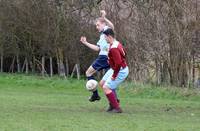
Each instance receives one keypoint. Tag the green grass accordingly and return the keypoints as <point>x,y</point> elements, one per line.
<point>33,103</point>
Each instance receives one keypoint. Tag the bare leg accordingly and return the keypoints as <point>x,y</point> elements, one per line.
<point>90,71</point>
<point>112,100</point>
<point>102,82</point>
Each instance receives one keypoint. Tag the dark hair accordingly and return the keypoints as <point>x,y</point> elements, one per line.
<point>108,32</point>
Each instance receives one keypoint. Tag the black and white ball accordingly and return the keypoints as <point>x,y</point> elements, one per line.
<point>91,85</point>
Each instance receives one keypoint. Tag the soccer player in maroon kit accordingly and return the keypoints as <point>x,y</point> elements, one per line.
<point>117,73</point>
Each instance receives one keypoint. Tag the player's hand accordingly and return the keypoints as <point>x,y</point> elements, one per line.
<point>113,78</point>
<point>83,40</point>
<point>103,13</point>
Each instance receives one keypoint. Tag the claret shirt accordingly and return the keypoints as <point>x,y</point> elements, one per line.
<point>116,57</point>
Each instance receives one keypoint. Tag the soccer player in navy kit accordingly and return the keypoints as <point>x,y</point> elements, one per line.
<point>102,46</point>
<point>117,73</point>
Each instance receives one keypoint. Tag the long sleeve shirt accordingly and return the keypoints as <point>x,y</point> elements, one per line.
<point>116,57</point>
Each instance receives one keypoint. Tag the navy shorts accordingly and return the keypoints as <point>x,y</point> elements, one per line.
<point>101,63</point>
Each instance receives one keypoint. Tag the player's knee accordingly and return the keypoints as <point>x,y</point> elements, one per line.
<point>87,73</point>
<point>106,89</point>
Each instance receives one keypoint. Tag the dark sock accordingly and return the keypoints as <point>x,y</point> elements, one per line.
<point>95,93</point>
<point>112,100</point>
<point>90,78</point>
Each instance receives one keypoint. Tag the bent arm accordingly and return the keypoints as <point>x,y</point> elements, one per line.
<point>92,46</point>
<point>109,23</point>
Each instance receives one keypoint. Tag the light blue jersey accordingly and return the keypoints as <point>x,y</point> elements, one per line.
<point>102,43</point>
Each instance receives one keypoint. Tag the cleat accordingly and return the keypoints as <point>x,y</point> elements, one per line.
<point>116,110</point>
<point>94,98</point>
<point>110,108</point>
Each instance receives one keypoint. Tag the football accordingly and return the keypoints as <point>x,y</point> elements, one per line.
<point>91,85</point>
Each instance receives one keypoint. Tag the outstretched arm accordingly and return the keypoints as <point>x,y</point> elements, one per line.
<point>91,46</point>
<point>109,23</point>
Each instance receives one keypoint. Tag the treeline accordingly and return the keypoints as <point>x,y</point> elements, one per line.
<point>161,37</point>
<point>43,36</point>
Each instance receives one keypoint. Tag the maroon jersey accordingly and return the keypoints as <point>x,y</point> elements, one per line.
<point>116,57</point>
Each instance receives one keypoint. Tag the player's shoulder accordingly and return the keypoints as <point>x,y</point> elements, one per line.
<point>115,44</point>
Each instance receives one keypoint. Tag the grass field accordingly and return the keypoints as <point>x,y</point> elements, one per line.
<point>33,103</point>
